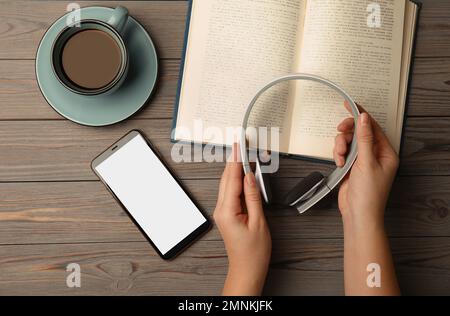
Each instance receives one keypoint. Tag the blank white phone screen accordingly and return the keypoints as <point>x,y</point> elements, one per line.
<point>150,194</point>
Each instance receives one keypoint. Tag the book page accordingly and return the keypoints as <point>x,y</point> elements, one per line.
<point>408,45</point>
<point>339,45</point>
<point>234,48</point>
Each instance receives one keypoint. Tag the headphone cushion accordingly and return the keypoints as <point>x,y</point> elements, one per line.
<point>303,187</point>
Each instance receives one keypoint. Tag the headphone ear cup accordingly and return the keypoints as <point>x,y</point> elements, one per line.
<point>263,181</point>
<point>304,189</point>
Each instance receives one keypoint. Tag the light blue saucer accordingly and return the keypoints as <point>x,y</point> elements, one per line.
<point>102,109</point>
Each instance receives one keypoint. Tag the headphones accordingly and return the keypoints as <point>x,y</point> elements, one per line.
<point>315,186</point>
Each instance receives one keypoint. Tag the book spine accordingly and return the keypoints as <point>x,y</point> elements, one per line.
<point>413,53</point>
<point>180,78</point>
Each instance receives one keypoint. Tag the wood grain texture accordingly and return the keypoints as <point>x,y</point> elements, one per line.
<point>70,217</point>
<point>429,92</point>
<point>74,212</point>
<point>298,267</point>
<point>62,150</point>
<point>23,23</point>
<point>134,268</point>
<point>21,99</point>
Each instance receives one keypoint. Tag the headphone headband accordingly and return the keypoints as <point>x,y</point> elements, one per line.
<point>338,174</point>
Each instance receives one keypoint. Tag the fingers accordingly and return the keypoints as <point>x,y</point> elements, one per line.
<point>349,109</point>
<point>221,188</point>
<point>253,199</point>
<point>230,191</point>
<point>347,125</point>
<point>233,183</point>
<point>379,136</point>
<point>365,138</point>
<point>341,147</point>
<point>223,179</point>
<point>377,130</point>
<point>338,160</point>
<point>346,129</point>
<point>381,139</point>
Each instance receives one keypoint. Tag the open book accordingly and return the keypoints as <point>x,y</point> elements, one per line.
<point>233,47</point>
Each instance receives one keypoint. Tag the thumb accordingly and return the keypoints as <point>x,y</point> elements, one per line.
<point>365,138</point>
<point>252,198</point>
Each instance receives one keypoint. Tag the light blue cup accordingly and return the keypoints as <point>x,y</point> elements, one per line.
<point>126,97</point>
<point>114,28</point>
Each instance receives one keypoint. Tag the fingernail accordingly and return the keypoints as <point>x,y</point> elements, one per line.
<point>364,118</point>
<point>251,180</point>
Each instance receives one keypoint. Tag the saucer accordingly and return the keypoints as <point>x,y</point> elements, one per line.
<point>101,110</point>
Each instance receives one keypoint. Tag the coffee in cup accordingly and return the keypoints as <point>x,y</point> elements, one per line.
<point>90,58</point>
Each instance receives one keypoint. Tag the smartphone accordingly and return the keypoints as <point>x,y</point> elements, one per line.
<point>149,192</point>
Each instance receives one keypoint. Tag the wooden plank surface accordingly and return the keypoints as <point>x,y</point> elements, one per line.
<point>73,212</point>
<point>23,23</point>
<point>165,20</point>
<point>62,150</point>
<point>21,99</point>
<point>53,210</point>
<point>298,267</point>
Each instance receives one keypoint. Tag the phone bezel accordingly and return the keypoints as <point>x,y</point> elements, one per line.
<point>188,240</point>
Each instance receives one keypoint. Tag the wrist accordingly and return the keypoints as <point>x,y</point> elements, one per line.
<point>364,222</point>
<point>242,281</point>
<point>253,271</point>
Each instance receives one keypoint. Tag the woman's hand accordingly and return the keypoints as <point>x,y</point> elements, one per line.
<point>362,200</point>
<point>240,218</point>
<point>364,193</point>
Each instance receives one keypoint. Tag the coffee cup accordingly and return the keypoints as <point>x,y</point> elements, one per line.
<point>89,57</point>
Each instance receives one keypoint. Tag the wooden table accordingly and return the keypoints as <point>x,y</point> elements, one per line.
<point>54,211</point>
